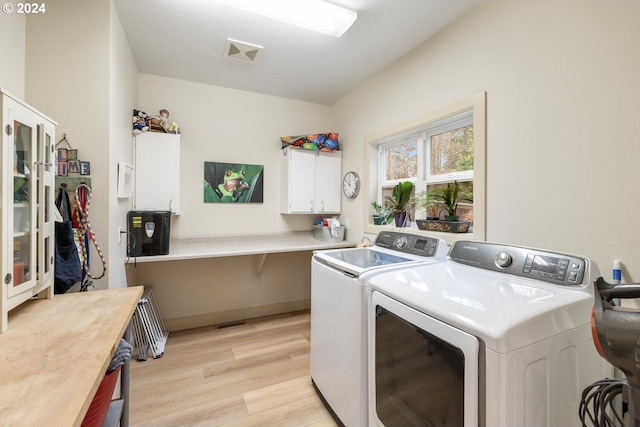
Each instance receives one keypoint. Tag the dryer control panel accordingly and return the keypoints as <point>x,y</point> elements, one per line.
<point>551,267</point>
<point>408,243</point>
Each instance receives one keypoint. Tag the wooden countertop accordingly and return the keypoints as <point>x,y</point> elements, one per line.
<point>56,352</point>
<point>238,245</point>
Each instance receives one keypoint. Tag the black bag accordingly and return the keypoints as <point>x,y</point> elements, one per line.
<point>68,270</point>
<point>63,204</point>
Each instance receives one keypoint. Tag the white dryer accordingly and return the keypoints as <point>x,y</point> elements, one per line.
<point>339,283</point>
<point>496,336</point>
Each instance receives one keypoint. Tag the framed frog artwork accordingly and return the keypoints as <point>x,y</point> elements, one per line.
<point>233,183</point>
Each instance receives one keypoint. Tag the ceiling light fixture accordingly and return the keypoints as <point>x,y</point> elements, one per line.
<point>314,15</point>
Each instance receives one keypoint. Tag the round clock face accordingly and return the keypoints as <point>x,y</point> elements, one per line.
<point>351,184</point>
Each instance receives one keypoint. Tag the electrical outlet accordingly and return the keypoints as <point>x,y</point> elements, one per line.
<point>120,234</point>
<point>346,224</point>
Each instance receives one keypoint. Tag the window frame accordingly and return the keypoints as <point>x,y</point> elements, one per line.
<point>390,183</point>
<point>448,116</point>
<point>458,121</point>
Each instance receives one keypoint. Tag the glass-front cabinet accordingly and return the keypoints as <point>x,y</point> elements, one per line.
<point>27,204</point>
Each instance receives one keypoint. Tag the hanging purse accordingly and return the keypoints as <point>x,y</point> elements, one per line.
<point>68,269</point>
<point>63,204</point>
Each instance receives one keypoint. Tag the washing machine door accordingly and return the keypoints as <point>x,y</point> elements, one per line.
<point>358,260</point>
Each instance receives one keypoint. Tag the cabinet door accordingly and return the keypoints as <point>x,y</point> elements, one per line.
<point>328,182</point>
<point>302,167</point>
<point>157,172</point>
<point>46,179</point>
<point>21,196</point>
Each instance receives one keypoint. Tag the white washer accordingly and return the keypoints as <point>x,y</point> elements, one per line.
<point>339,280</point>
<point>496,336</point>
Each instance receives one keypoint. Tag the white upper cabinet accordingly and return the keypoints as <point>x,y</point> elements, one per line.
<point>311,182</point>
<point>157,172</point>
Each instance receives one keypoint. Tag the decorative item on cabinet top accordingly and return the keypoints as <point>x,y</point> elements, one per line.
<point>316,141</point>
<point>160,123</point>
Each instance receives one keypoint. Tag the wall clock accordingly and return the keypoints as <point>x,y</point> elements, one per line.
<point>351,184</point>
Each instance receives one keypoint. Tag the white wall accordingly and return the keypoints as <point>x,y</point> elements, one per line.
<point>200,292</point>
<point>231,126</point>
<point>562,90</point>
<point>12,46</point>
<point>67,78</point>
<point>123,93</point>
<point>80,72</point>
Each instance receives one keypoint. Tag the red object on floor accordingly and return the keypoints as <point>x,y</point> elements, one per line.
<point>100,405</point>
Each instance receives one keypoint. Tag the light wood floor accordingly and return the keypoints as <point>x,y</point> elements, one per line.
<point>255,374</point>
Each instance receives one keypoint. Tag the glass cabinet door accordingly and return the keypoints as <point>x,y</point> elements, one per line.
<point>45,202</point>
<point>24,205</point>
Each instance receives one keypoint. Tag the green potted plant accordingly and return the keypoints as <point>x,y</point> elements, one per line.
<point>381,213</point>
<point>448,198</point>
<point>445,198</point>
<point>399,201</point>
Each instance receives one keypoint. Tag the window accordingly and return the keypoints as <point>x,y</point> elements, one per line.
<point>439,149</point>
<point>399,162</point>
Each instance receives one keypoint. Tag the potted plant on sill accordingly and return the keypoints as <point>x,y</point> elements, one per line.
<point>445,198</point>
<point>381,213</point>
<point>399,201</point>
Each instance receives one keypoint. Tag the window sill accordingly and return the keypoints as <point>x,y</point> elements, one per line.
<point>450,238</point>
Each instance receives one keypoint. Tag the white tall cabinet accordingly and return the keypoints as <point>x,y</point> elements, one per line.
<point>27,177</point>
<point>311,182</point>
<point>157,172</point>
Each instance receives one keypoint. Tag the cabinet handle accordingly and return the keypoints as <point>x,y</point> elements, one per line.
<point>311,203</point>
<point>322,206</point>
<point>7,278</point>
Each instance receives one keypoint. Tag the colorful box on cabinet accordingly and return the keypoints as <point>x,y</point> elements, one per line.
<point>316,141</point>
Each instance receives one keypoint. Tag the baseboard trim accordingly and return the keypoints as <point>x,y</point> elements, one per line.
<point>234,315</point>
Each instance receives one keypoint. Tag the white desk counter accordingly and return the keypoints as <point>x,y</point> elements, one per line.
<point>239,245</point>
<point>212,280</point>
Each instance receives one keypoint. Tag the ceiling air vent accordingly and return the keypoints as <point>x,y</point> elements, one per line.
<point>241,51</point>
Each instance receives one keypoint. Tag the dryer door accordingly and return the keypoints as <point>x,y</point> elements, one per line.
<point>422,372</point>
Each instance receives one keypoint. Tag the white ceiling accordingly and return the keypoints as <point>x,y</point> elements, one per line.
<point>185,39</point>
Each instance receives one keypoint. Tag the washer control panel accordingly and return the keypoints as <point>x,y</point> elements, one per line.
<point>408,243</point>
<point>551,267</point>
